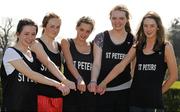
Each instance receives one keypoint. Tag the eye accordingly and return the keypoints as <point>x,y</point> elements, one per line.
<point>145,25</point>
<point>26,34</point>
<point>121,18</point>
<point>81,29</point>
<point>52,26</point>
<point>88,31</point>
<point>114,18</point>
<point>33,34</point>
<point>57,27</point>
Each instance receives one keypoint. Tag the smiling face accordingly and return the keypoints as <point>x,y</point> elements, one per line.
<point>118,19</point>
<point>52,28</point>
<point>83,31</point>
<point>150,28</point>
<point>27,35</point>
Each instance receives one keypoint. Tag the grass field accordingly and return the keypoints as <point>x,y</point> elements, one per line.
<point>176,85</point>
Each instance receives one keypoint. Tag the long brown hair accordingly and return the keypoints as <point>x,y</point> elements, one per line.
<point>141,37</point>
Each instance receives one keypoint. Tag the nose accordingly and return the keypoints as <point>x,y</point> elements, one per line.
<point>56,29</point>
<point>86,34</point>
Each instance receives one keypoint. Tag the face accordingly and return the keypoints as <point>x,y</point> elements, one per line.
<point>83,31</point>
<point>118,19</point>
<point>150,28</point>
<point>27,35</point>
<point>52,28</point>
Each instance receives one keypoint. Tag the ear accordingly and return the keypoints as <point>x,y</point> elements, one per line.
<point>17,33</point>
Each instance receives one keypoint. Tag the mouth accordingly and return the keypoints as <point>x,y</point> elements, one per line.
<point>83,37</point>
<point>118,25</point>
<point>148,33</point>
<point>29,41</point>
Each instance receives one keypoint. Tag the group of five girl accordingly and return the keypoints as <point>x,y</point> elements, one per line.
<point>116,72</point>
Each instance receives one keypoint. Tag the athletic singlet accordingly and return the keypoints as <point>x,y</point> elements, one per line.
<point>46,90</point>
<point>112,54</point>
<point>82,62</point>
<point>18,90</point>
<point>146,89</point>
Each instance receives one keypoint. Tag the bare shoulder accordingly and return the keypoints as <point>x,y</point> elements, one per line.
<point>168,46</point>
<point>35,43</point>
<point>169,51</point>
<point>64,41</point>
<point>36,46</point>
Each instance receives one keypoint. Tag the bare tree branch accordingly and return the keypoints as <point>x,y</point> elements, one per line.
<point>5,34</point>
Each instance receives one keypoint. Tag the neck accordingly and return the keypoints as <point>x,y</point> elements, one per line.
<point>47,39</point>
<point>150,43</point>
<point>21,47</point>
<point>151,40</point>
<point>120,33</point>
<point>80,42</point>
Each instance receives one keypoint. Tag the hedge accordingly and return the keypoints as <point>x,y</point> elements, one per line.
<point>172,100</point>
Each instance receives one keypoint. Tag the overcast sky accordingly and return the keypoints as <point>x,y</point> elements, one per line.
<point>71,10</point>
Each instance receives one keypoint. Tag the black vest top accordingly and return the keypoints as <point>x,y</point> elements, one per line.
<point>46,90</point>
<point>112,54</point>
<point>82,62</point>
<point>146,89</point>
<point>19,93</point>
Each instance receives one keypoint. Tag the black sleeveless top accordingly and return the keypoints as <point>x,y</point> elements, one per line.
<point>112,54</point>
<point>19,93</point>
<point>146,89</point>
<point>46,90</point>
<point>82,62</point>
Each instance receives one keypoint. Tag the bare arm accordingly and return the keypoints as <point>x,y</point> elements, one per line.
<point>45,60</point>
<point>69,61</point>
<point>97,53</point>
<point>68,57</point>
<point>172,67</point>
<point>22,67</point>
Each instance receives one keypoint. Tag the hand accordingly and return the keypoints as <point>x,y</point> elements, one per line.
<point>101,88</point>
<point>63,88</point>
<point>92,87</point>
<point>81,86</point>
<point>70,84</point>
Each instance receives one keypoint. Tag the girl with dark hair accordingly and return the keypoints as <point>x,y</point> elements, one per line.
<point>19,72</point>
